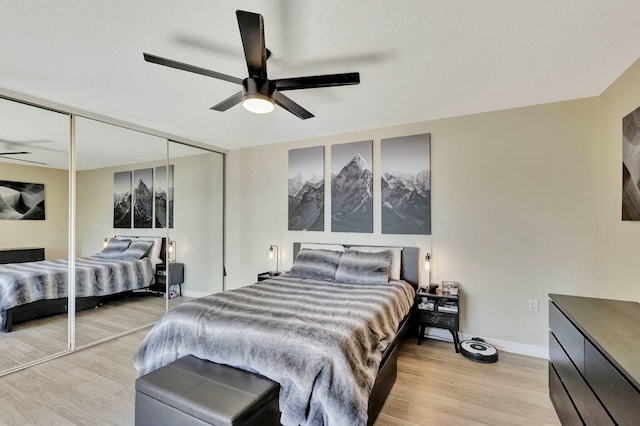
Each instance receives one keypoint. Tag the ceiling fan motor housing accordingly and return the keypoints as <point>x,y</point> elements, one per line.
<point>258,88</point>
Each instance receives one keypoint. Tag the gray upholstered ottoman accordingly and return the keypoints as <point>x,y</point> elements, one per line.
<point>191,391</point>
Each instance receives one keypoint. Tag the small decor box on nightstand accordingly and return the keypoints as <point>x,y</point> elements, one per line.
<point>176,276</point>
<point>438,310</point>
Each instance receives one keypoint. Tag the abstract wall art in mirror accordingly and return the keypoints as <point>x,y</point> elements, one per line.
<point>34,270</point>
<point>352,187</point>
<point>631,166</point>
<point>406,185</point>
<point>21,201</point>
<point>306,189</point>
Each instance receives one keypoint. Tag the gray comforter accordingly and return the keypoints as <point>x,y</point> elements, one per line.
<point>321,341</point>
<point>22,283</point>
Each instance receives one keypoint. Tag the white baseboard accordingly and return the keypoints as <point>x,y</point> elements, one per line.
<point>502,345</point>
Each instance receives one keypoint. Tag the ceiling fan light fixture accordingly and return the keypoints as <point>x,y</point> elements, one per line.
<point>258,103</point>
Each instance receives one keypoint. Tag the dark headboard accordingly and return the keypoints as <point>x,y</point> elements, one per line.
<point>410,270</point>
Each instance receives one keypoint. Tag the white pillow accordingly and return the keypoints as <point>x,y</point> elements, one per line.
<point>154,252</point>
<point>312,246</point>
<point>156,248</point>
<point>396,258</point>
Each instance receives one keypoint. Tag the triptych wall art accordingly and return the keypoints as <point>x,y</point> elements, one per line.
<point>141,205</point>
<point>21,201</point>
<point>352,187</point>
<point>631,166</point>
<point>406,185</point>
<point>306,189</point>
<point>405,179</point>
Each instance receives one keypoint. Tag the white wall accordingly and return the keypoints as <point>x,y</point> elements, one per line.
<point>619,241</point>
<point>514,212</point>
<point>51,233</point>
<point>197,216</point>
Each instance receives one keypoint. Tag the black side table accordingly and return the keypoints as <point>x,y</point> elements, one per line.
<point>439,310</point>
<point>266,275</point>
<point>175,271</point>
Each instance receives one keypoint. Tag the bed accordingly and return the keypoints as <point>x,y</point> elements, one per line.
<point>331,345</point>
<point>31,290</point>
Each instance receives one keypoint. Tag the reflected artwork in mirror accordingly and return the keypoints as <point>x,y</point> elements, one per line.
<point>34,246</point>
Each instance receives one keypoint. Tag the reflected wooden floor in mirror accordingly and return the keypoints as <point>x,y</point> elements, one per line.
<point>434,386</point>
<point>36,339</point>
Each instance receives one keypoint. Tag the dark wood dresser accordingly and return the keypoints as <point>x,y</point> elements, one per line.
<point>594,367</point>
<point>19,255</point>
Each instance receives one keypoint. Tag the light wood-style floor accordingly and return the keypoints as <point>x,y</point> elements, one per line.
<point>435,386</point>
<point>43,337</point>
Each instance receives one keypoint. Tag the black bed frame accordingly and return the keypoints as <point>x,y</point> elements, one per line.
<point>388,370</point>
<point>47,307</point>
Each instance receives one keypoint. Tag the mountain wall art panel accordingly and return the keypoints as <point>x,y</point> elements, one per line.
<point>352,187</point>
<point>122,200</point>
<point>163,196</point>
<point>306,189</point>
<point>631,166</point>
<point>143,198</point>
<point>21,201</point>
<point>406,185</point>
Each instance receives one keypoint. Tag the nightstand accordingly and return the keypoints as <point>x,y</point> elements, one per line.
<point>439,310</point>
<point>176,276</point>
<point>266,275</point>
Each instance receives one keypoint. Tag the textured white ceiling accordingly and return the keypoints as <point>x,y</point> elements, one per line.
<point>418,60</point>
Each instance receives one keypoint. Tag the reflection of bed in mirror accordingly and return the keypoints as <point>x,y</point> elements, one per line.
<point>34,289</point>
<point>327,331</point>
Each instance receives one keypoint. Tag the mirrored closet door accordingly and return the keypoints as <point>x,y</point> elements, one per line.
<point>121,242</point>
<point>34,228</point>
<point>195,217</point>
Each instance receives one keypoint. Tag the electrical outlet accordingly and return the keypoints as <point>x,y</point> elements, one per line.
<point>533,305</point>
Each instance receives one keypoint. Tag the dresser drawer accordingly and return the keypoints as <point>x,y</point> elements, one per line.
<point>585,401</point>
<point>562,403</point>
<point>621,399</point>
<point>568,335</point>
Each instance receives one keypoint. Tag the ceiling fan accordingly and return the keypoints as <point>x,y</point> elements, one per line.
<point>259,94</point>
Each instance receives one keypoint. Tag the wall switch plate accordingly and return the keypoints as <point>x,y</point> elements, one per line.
<point>533,305</point>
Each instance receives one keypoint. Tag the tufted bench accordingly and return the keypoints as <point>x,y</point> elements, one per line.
<point>191,391</point>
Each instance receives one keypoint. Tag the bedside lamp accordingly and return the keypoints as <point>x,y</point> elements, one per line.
<point>427,267</point>
<point>273,251</point>
<point>172,250</point>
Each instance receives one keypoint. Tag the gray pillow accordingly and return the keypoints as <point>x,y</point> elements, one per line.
<point>364,268</point>
<point>114,248</point>
<point>137,250</point>
<point>316,264</point>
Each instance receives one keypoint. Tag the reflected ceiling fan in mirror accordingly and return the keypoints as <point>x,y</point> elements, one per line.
<point>11,153</point>
<point>259,94</point>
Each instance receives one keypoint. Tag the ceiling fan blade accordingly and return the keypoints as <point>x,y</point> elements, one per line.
<point>328,80</point>
<point>14,153</point>
<point>20,159</point>
<point>295,109</point>
<point>252,33</point>
<point>191,68</point>
<point>229,102</point>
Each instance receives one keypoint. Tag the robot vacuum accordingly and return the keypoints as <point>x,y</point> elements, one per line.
<point>477,350</point>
